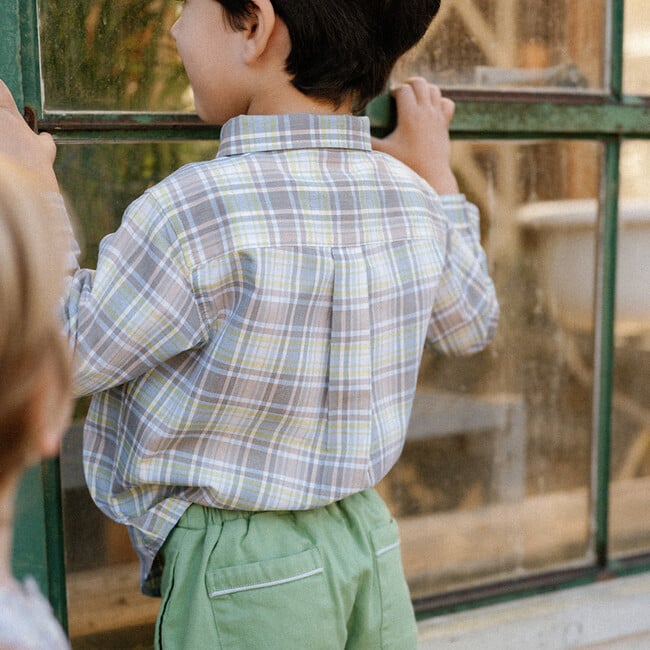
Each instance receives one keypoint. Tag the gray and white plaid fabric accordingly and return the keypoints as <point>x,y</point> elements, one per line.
<point>253,330</point>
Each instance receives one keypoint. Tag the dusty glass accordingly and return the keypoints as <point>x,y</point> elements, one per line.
<point>494,479</point>
<point>111,56</point>
<point>636,48</point>
<point>104,599</point>
<point>630,486</point>
<point>513,44</point>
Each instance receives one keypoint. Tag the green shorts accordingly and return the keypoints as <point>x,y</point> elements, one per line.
<point>322,579</point>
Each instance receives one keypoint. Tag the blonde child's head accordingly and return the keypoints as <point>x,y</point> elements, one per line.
<point>34,364</point>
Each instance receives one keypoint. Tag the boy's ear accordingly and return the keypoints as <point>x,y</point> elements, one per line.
<point>258,31</point>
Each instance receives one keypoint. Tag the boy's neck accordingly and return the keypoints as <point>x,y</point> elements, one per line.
<point>285,99</point>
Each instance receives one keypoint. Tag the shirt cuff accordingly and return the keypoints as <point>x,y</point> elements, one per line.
<point>460,212</point>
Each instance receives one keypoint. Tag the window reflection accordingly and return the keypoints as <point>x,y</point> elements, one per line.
<point>105,606</point>
<point>98,55</point>
<point>636,48</point>
<point>630,467</point>
<point>494,479</point>
<point>508,44</point>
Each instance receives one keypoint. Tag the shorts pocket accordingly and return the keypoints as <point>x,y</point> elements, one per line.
<point>273,603</point>
<point>398,626</point>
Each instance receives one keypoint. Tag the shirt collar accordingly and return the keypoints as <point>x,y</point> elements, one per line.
<point>256,133</point>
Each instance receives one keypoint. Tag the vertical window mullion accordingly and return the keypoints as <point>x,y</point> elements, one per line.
<point>29,55</point>
<point>605,307</point>
<point>10,69</point>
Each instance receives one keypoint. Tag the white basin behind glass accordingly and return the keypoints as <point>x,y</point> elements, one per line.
<point>566,236</point>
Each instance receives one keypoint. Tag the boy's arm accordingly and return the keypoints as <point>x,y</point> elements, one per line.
<point>465,314</point>
<point>421,137</point>
<point>19,143</point>
<point>35,154</point>
<point>137,309</point>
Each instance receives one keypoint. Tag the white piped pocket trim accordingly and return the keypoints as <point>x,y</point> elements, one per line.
<point>385,549</point>
<point>262,585</point>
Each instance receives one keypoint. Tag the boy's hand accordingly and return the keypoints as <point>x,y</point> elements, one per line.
<point>20,143</point>
<point>421,137</point>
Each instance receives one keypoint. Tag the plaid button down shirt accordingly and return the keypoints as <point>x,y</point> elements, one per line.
<point>253,330</point>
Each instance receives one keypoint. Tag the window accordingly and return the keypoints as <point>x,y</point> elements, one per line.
<point>527,466</point>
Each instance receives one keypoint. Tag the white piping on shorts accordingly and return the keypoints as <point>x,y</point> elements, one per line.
<point>390,547</point>
<point>261,585</point>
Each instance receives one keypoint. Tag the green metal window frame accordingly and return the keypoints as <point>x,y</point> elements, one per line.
<point>608,117</point>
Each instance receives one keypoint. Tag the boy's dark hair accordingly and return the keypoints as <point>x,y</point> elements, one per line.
<point>344,48</point>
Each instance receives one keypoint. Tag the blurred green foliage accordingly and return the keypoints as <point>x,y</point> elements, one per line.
<point>111,55</point>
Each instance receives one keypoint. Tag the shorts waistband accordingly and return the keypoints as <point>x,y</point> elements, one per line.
<point>197,516</point>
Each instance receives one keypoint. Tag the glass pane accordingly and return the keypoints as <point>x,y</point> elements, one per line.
<point>98,55</point>
<point>493,482</point>
<point>494,479</point>
<point>513,44</point>
<point>636,48</point>
<point>630,487</point>
<point>105,606</point>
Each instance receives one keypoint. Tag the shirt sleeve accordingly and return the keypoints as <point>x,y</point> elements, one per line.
<point>137,309</point>
<point>466,312</point>
<point>63,232</point>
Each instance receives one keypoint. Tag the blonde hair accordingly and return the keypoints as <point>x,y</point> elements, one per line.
<point>31,279</point>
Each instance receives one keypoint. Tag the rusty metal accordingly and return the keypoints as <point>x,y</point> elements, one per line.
<point>31,117</point>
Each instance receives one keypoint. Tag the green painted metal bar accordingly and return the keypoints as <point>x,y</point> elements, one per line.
<point>55,543</point>
<point>29,58</point>
<point>525,119</point>
<point>617,15</point>
<point>10,69</point>
<point>606,301</point>
<point>491,117</point>
<point>604,350</point>
<point>525,115</point>
<point>29,556</point>
<point>38,535</point>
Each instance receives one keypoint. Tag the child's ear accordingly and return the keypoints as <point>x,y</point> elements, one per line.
<point>259,30</point>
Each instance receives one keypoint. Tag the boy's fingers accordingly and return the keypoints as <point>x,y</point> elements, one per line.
<point>405,98</point>
<point>448,108</point>
<point>422,88</point>
<point>435,93</point>
<point>425,93</point>
<point>48,141</point>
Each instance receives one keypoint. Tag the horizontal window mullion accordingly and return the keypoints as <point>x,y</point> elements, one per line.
<point>499,115</point>
<point>521,115</point>
<point>561,120</point>
<point>127,127</point>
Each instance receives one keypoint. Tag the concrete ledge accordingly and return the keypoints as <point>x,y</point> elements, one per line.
<point>613,615</point>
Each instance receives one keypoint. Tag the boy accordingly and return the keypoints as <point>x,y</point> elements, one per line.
<point>253,330</point>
